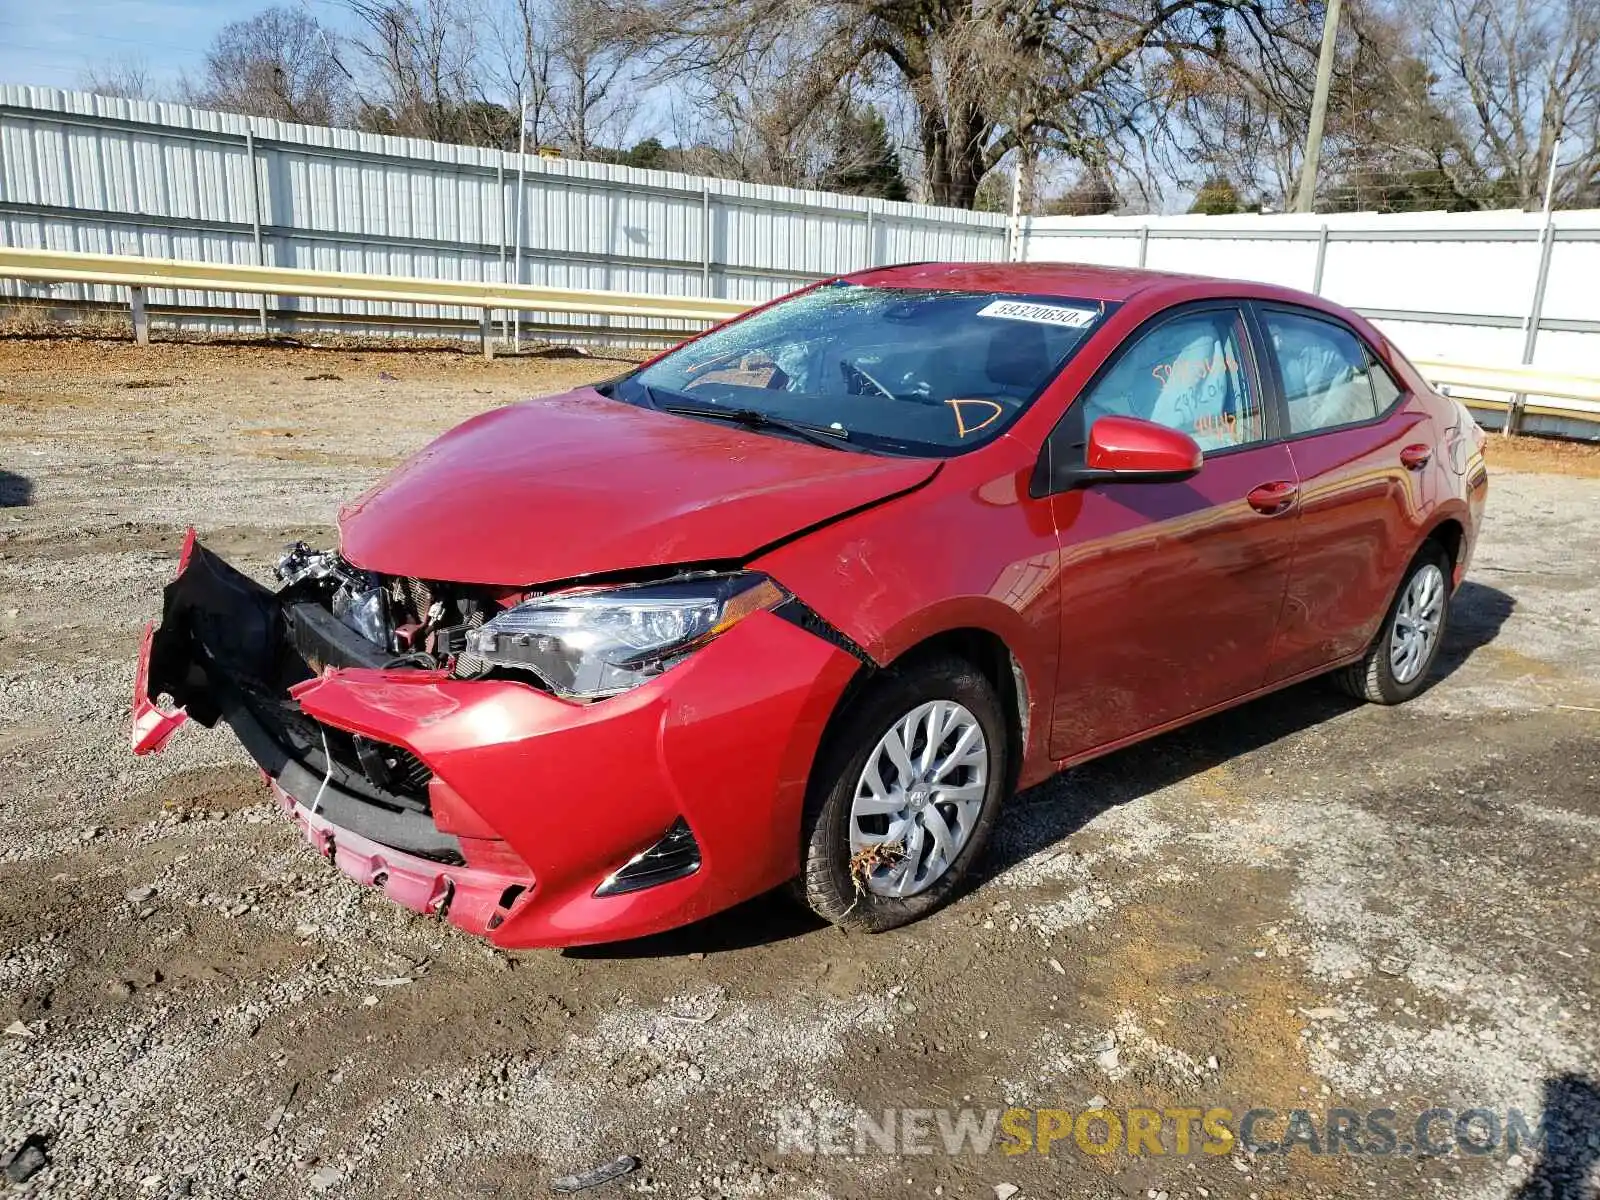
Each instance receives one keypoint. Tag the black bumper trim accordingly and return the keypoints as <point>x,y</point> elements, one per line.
<point>798,613</point>
<point>676,855</point>
<point>323,640</point>
<point>223,651</point>
<point>406,830</point>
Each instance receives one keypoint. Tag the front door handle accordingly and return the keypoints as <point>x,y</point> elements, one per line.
<point>1271,499</point>
<point>1416,456</point>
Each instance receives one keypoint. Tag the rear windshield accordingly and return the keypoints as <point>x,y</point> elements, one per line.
<point>898,370</point>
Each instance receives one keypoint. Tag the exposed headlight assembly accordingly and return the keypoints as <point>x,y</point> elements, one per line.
<point>356,598</point>
<point>589,644</point>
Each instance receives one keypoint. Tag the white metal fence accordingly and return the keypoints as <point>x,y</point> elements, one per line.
<point>91,173</point>
<point>1494,288</point>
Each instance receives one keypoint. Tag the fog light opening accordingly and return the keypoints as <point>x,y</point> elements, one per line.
<point>675,856</point>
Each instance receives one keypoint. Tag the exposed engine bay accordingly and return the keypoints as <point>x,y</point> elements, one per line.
<point>403,622</point>
<point>230,649</point>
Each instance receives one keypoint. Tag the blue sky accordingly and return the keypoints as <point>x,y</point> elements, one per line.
<point>53,41</point>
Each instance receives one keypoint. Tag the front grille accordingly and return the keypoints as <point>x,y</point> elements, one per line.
<point>387,775</point>
<point>393,768</point>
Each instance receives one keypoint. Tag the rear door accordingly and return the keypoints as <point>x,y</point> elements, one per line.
<point>1170,592</point>
<point>1360,447</point>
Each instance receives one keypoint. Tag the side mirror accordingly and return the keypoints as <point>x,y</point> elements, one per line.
<point>1139,451</point>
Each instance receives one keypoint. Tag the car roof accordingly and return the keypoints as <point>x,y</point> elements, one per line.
<point>1077,280</point>
<point>1086,281</point>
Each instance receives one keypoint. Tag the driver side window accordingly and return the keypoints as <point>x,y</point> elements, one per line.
<point>1188,374</point>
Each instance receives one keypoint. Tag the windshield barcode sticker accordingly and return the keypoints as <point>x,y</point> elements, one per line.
<point>1043,314</point>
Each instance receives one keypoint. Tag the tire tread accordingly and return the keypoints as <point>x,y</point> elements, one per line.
<point>819,884</point>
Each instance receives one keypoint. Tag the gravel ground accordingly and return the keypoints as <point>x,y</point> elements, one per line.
<point>1301,904</point>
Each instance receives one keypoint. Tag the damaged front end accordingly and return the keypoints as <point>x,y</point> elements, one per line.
<point>229,649</point>
<point>542,767</point>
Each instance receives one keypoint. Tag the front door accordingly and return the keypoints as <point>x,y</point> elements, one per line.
<point>1171,592</point>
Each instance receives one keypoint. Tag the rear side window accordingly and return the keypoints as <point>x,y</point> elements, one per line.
<point>1383,384</point>
<point>1329,377</point>
<point>1188,374</point>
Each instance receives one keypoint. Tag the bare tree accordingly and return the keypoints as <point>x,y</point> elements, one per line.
<point>755,122</point>
<point>1519,75</point>
<point>1394,142</point>
<point>279,63</point>
<point>1398,134</point>
<point>1101,103</point>
<point>127,76</point>
<point>520,32</point>
<point>1043,77</point>
<point>594,101</point>
<point>422,57</point>
<point>1243,119</point>
<point>1462,103</point>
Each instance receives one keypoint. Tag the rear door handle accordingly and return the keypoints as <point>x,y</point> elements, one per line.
<point>1416,456</point>
<point>1271,499</point>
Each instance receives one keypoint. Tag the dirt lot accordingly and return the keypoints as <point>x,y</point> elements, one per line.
<point>1302,904</point>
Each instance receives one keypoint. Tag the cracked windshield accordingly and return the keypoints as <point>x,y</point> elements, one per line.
<point>876,369</point>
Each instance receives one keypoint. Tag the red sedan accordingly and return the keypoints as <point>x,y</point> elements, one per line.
<point>806,598</point>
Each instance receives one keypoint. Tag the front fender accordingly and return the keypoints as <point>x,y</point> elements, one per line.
<point>969,551</point>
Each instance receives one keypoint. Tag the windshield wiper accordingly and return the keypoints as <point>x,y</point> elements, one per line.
<point>753,418</point>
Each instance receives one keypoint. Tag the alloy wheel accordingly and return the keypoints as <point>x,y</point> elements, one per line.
<point>918,798</point>
<point>1416,624</point>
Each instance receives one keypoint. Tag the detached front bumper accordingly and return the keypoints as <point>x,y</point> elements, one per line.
<point>476,899</point>
<point>518,805</point>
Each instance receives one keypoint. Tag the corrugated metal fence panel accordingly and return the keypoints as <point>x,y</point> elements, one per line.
<point>1572,293</point>
<point>94,173</point>
<point>1444,286</point>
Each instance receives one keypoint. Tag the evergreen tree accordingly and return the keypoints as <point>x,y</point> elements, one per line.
<point>865,162</point>
<point>1217,197</point>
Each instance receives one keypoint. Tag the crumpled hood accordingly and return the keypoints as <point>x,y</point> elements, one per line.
<point>578,484</point>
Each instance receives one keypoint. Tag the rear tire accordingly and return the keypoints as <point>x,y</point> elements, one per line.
<point>1397,664</point>
<point>882,845</point>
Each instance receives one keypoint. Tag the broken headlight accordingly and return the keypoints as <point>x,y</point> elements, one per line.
<point>353,595</point>
<point>589,644</point>
<point>364,611</point>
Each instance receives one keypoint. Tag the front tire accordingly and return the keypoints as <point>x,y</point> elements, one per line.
<point>1397,664</point>
<point>904,795</point>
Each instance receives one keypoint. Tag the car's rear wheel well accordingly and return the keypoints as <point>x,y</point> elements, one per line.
<point>1450,535</point>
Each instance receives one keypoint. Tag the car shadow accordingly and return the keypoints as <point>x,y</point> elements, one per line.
<point>1476,615</point>
<point>1046,814</point>
<point>15,490</point>
<point>1053,811</point>
<point>1570,1124</point>
<point>774,916</point>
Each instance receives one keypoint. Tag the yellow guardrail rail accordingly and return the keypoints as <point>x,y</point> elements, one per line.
<point>63,266</point>
<point>1575,397</point>
<point>1557,394</point>
<point>1526,380</point>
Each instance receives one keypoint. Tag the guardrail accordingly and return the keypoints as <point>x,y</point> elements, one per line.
<point>1558,397</point>
<point>139,274</point>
